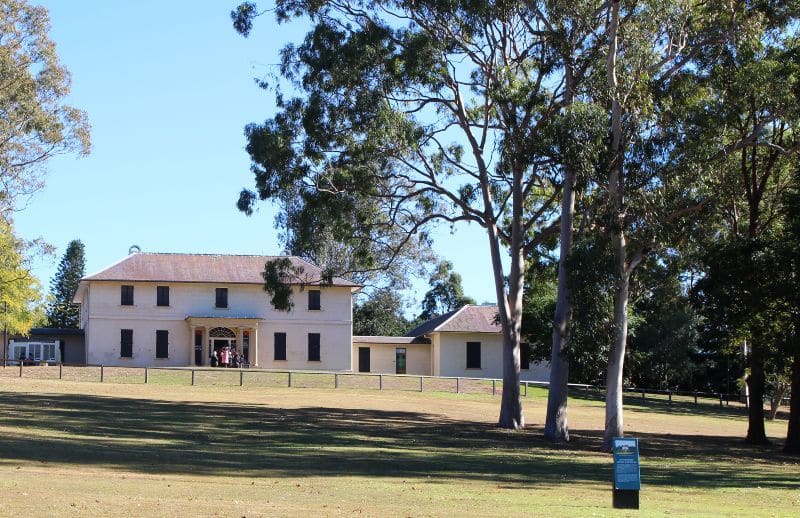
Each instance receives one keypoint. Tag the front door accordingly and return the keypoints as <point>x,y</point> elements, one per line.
<point>363,359</point>
<point>400,360</point>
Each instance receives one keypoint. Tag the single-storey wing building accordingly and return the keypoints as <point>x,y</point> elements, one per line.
<point>175,309</point>
<point>467,342</point>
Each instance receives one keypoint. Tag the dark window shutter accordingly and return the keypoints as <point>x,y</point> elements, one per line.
<point>313,347</point>
<point>280,346</point>
<point>126,343</point>
<point>162,295</point>
<point>162,344</point>
<point>222,298</point>
<point>473,355</point>
<point>126,295</point>
<point>313,299</point>
<point>524,356</point>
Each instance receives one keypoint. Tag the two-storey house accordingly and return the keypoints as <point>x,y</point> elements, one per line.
<point>175,309</point>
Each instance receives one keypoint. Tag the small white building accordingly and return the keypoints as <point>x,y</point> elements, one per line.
<point>175,309</point>
<point>467,342</point>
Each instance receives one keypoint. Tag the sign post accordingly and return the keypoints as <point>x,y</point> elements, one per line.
<point>627,478</point>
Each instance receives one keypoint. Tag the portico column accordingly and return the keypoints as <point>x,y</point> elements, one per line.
<point>206,352</point>
<point>191,345</point>
<point>254,347</point>
<point>240,340</point>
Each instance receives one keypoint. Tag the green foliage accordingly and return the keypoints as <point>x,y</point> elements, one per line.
<point>20,304</point>
<point>61,312</point>
<point>279,274</point>
<point>35,124</point>
<point>380,315</point>
<point>446,293</point>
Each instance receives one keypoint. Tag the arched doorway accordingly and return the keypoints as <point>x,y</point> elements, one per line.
<point>219,337</point>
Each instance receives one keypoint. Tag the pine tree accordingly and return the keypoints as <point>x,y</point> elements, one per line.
<point>61,312</point>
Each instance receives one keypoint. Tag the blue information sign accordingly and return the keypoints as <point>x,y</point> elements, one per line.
<point>626,464</point>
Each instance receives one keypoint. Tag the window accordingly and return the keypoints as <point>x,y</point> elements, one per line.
<point>525,356</point>
<point>280,346</point>
<point>126,295</point>
<point>162,295</point>
<point>313,299</point>
<point>126,343</point>
<point>162,344</point>
<point>473,355</point>
<point>313,347</point>
<point>222,298</point>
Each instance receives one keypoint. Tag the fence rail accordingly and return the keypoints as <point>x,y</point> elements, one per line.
<point>328,379</point>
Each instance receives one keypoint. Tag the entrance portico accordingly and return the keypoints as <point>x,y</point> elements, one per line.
<point>240,333</point>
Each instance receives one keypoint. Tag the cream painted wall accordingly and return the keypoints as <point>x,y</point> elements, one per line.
<point>105,317</point>
<point>383,358</point>
<point>334,350</point>
<point>453,357</point>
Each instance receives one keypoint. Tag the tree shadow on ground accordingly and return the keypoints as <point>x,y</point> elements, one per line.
<point>232,439</point>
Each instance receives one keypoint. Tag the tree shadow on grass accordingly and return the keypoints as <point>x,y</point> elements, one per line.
<point>254,440</point>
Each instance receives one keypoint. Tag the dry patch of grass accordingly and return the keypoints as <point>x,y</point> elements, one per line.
<point>169,449</point>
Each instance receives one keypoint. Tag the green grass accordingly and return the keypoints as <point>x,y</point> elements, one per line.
<point>169,449</point>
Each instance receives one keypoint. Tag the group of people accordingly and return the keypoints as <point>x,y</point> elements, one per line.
<point>226,357</point>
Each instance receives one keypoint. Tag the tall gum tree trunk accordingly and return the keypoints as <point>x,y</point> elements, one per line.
<point>616,190</point>
<point>756,431</point>
<point>556,427</point>
<point>793,431</point>
<point>616,357</point>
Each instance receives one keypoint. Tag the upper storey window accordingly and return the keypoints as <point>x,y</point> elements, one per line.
<point>126,295</point>
<point>221,298</point>
<point>162,295</point>
<point>313,299</point>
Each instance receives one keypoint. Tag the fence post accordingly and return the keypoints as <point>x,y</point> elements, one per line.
<point>586,391</point>
<point>101,374</point>
<point>145,375</point>
<point>290,379</point>
<point>60,365</point>
<point>720,399</point>
<point>20,367</point>
<point>669,392</point>
<point>695,397</point>
<point>193,377</point>
<point>643,394</point>
<point>420,383</point>
<point>241,377</point>
<point>336,380</point>
<point>458,385</point>
<point>494,387</point>
<point>526,389</point>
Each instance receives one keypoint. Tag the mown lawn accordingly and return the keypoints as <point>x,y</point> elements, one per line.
<point>91,449</point>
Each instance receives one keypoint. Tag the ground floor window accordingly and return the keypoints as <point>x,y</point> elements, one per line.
<point>162,344</point>
<point>126,343</point>
<point>280,346</point>
<point>473,355</point>
<point>34,351</point>
<point>313,347</point>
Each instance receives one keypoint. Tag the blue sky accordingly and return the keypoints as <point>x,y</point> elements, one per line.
<point>168,88</point>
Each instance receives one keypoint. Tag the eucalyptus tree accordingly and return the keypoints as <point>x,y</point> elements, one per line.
<point>446,293</point>
<point>662,57</point>
<point>412,113</point>
<point>36,124</point>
